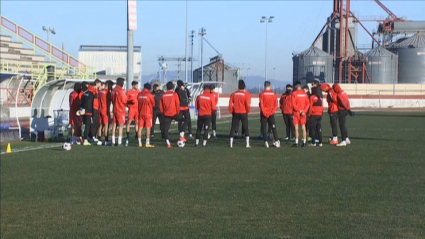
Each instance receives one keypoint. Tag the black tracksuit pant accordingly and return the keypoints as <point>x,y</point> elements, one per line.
<point>290,129</point>
<point>203,123</point>
<point>157,115</point>
<point>96,124</point>
<point>187,121</point>
<point>342,116</point>
<point>167,124</point>
<point>235,124</point>
<point>89,130</point>
<point>271,122</point>
<point>214,120</point>
<point>316,128</point>
<point>334,123</point>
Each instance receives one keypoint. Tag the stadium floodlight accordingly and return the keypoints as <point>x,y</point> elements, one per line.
<point>48,31</point>
<point>266,20</point>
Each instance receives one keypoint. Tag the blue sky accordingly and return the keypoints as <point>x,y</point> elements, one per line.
<point>233,27</point>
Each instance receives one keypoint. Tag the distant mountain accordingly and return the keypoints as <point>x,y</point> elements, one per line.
<point>256,81</point>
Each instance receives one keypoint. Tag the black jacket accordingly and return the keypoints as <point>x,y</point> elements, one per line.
<point>87,102</point>
<point>157,95</point>
<point>184,96</point>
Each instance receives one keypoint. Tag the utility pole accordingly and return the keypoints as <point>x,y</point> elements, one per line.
<point>202,33</point>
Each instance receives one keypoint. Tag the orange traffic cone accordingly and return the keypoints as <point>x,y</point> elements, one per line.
<point>8,149</point>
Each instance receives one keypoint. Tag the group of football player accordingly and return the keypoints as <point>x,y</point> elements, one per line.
<point>94,106</point>
<point>300,109</point>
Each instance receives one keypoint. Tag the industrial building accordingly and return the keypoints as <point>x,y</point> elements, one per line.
<point>397,53</point>
<point>110,61</point>
<point>217,71</point>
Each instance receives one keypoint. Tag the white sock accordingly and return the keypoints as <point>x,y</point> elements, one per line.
<point>304,140</point>
<point>119,140</point>
<point>196,141</point>
<point>247,140</point>
<point>113,139</point>
<point>168,142</point>
<point>214,133</point>
<point>335,138</point>
<point>148,141</point>
<point>205,143</point>
<point>231,141</point>
<point>296,141</point>
<point>140,141</point>
<point>181,134</point>
<point>347,139</point>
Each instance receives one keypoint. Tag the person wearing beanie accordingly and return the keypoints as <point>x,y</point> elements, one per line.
<point>239,107</point>
<point>332,100</point>
<point>285,104</point>
<point>315,116</point>
<point>343,110</point>
<point>184,97</point>
<point>119,102</point>
<point>300,106</point>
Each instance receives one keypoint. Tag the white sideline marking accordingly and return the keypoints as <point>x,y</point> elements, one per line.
<point>34,148</point>
<point>25,149</point>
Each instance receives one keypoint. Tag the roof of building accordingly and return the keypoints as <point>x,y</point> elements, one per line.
<point>417,40</point>
<point>379,51</point>
<point>108,48</point>
<point>314,51</point>
<point>212,63</point>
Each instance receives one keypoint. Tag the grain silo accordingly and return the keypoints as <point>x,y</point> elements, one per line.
<point>382,66</point>
<point>411,58</point>
<point>312,63</point>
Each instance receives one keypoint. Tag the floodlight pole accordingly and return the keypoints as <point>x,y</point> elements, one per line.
<point>185,46</point>
<point>266,20</point>
<point>130,51</point>
<point>191,56</point>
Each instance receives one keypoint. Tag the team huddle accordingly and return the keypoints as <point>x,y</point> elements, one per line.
<point>94,106</point>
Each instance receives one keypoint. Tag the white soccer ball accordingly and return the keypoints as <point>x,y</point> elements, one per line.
<point>181,143</point>
<point>67,146</point>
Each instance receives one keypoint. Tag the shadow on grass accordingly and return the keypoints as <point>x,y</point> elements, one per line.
<point>390,115</point>
<point>376,139</point>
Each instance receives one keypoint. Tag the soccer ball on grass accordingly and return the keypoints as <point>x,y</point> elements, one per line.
<point>180,143</point>
<point>66,146</point>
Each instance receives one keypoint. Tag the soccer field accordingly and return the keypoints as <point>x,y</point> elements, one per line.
<point>373,188</point>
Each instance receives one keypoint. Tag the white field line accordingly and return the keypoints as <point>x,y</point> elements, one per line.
<point>47,146</point>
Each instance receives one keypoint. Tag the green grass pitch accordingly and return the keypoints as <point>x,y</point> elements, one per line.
<point>373,188</point>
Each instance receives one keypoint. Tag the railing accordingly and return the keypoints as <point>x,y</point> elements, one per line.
<point>24,96</point>
<point>39,72</point>
<point>36,42</point>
